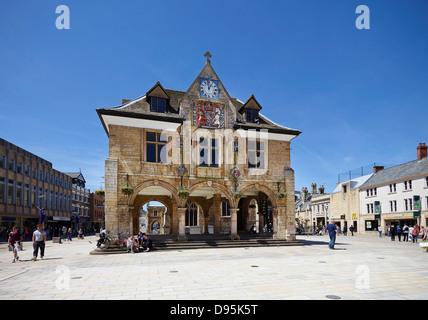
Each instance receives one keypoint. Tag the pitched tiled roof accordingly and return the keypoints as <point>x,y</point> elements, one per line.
<point>354,183</point>
<point>401,171</point>
<point>140,108</point>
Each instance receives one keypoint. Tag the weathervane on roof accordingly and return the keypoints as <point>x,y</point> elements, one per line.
<point>208,55</point>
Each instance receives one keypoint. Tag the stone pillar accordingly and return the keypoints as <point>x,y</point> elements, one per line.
<point>285,209</point>
<point>260,219</point>
<point>206,221</point>
<point>125,219</point>
<point>174,220</point>
<point>217,212</point>
<point>181,224</point>
<point>234,224</point>
<point>275,221</point>
<point>111,196</point>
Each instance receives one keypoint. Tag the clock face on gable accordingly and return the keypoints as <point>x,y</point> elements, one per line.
<point>208,88</point>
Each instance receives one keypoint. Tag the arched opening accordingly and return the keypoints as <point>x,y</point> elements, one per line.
<point>154,218</point>
<point>153,202</point>
<point>192,218</point>
<point>214,202</point>
<point>256,207</point>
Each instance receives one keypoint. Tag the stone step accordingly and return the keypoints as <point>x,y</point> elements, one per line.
<point>172,244</point>
<point>221,244</point>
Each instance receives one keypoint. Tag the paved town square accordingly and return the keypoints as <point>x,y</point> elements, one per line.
<point>361,267</point>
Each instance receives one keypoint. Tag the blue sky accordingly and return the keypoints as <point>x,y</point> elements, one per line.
<point>358,96</point>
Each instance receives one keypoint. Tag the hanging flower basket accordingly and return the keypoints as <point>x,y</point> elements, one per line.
<point>183,193</point>
<point>127,190</point>
<point>100,193</point>
<point>282,194</point>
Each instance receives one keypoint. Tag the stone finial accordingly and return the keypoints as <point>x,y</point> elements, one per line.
<point>208,55</point>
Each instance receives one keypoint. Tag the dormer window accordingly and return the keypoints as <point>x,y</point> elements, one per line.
<point>158,98</point>
<point>158,105</point>
<point>251,109</point>
<point>252,115</point>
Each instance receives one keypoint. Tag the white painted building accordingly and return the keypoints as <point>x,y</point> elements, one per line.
<point>388,196</point>
<point>320,210</point>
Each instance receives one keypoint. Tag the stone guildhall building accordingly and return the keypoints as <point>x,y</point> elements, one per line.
<point>217,164</point>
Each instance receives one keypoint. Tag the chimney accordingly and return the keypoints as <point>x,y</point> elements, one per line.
<point>376,169</point>
<point>313,188</point>
<point>422,151</point>
<point>305,194</point>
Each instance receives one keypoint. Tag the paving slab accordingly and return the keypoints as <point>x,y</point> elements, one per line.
<point>363,267</point>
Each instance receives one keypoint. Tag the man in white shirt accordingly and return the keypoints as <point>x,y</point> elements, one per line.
<point>39,240</point>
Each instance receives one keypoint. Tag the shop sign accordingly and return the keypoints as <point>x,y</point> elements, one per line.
<point>61,218</point>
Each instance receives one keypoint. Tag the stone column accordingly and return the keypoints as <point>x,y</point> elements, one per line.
<point>125,219</point>
<point>275,221</point>
<point>217,212</point>
<point>261,226</point>
<point>181,224</point>
<point>234,224</point>
<point>111,196</point>
<point>285,209</point>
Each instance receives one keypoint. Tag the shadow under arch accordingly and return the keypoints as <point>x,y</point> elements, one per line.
<point>262,188</point>
<point>154,183</point>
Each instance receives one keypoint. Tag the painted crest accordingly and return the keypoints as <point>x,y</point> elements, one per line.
<point>210,115</point>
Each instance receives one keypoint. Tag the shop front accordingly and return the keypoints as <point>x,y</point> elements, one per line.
<point>22,222</point>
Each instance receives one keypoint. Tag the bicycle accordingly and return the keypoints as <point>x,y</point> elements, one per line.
<point>114,241</point>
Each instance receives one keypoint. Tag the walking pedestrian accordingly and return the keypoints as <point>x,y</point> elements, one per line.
<point>422,232</point>
<point>380,231</point>
<point>332,232</point>
<point>405,233</point>
<point>345,230</point>
<point>415,234</point>
<point>399,232</point>
<point>39,241</point>
<point>392,232</point>
<point>14,242</point>
<point>64,232</point>
<point>351,228</point>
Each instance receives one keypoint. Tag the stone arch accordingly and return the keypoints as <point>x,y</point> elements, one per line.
<point>153,224</point>
<point>142,200</point>
<point>243,216</point>
<point>136,200</point>
<point>214,185</point>
<point>266,190</point>
<point>151,183</point>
